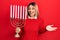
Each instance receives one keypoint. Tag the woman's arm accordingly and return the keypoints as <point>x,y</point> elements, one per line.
<point>42,28</point>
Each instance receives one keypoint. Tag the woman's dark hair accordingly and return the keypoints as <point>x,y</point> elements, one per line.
<point>33,4</point>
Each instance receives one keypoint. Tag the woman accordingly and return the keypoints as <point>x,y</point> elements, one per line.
<point>34,24</point>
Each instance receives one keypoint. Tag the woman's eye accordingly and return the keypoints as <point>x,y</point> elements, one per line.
<point>29,8</point>
<point>33,8</point>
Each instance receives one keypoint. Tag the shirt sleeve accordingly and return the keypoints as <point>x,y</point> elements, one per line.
<point>42,28</point>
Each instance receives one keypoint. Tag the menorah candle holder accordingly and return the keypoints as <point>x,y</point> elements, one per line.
<point>18,15</point>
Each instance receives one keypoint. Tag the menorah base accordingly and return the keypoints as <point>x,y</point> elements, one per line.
<point>17,35</point>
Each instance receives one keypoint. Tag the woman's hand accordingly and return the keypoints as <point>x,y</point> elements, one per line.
<point>50,28</point>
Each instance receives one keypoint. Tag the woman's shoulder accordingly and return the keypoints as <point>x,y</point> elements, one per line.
<point>40,18</point>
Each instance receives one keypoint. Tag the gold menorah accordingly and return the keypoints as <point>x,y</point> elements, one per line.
<point>17,18</point>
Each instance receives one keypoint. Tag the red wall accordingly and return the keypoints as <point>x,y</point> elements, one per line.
<point>49,11</point>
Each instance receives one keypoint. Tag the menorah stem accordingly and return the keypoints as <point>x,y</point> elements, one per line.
<point>17,32</point>
<point>17,35</point>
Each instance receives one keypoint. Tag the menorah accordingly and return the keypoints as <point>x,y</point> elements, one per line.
<point>18,15</point>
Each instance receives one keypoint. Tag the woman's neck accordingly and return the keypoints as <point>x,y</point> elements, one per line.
<point>33,17</point>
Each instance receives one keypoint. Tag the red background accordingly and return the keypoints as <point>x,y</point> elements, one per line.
<point>49,10</point>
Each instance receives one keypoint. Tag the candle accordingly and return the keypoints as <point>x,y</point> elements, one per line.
<point>13,10</point>
<point>18,11</point>
<point>10,11</point>
<point>23,12</point>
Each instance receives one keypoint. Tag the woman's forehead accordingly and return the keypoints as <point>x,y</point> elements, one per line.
<point>31,6</point>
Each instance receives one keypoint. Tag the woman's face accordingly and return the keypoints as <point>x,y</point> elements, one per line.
<point>31,10</point>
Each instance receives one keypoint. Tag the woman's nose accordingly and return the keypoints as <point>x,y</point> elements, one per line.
<point>31,10</point>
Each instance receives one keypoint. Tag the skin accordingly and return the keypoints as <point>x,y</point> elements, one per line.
<point>32,10</point>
